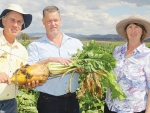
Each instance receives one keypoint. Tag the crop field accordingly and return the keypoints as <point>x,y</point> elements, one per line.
<point>111,43</point>
<point>88,104</point>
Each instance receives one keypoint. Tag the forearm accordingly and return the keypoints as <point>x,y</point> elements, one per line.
<point>52,59</point>
<point>63,61</point>
<point>44,61</point>
<point>148,103</point>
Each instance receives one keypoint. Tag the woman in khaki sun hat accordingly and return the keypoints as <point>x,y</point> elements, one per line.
<point>132,67</point>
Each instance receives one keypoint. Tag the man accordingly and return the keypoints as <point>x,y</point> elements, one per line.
<point>55,46</point>
<point>12,53</point>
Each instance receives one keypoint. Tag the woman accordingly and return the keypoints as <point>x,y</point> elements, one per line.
<point>133,68</point>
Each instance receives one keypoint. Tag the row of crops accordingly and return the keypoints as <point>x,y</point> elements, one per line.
<point>27,100</point>
<point>88,104</point>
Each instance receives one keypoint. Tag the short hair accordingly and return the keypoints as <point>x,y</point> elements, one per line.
<point>50,9</point>
<point>144,31</point>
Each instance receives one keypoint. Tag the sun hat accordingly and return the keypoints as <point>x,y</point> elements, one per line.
<point>14,7</point>
<point>120,27</point>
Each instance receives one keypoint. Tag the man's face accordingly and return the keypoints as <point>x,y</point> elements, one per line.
<point>52,22</point>
<point>12,24</point>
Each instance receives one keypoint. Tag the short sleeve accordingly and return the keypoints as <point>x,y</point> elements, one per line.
<point>32,54</point>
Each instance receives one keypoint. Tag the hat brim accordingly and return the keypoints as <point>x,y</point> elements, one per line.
<point>120,27</point>
<point>27,18</point>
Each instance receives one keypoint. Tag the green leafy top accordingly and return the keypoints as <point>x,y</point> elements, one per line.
<point>98,63</point>
<point>93,57</point>
<point>96,57</point>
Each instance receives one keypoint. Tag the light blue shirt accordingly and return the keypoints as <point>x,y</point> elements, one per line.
<point>42,49</point>
<point>134,78</point>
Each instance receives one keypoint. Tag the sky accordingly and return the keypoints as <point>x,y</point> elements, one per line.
<point>85,17</point>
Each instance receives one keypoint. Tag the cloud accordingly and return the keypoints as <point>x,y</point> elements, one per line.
<point>138,3</point>
<point>83,16</point>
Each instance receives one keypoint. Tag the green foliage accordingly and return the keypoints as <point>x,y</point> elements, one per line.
<point>27,100</point>
<point>24,36</point>
<point>95,57</point>
<point>148,45</point>
<point>89,103</point>
<point>25,43</point>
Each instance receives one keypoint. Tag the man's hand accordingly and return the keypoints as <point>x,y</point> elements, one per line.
<point>4,78</point>
<point>79,70</point>
<point>63,61</point>
<point>66,62</point>
<point>31,85</point>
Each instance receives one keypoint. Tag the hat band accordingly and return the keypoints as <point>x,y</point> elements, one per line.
<point>136,23</point>
<point>132,22</point>
<point>2,17</point>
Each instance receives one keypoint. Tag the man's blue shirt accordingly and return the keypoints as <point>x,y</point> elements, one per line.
<point>42,49</point>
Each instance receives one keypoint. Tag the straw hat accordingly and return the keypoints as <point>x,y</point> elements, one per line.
<point>120,27</point>
<point>14,7</point>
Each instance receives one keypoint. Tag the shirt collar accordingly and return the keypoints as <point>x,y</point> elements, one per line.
<point>5,42</point>
<point>138,49</point>
<point>65,38</point>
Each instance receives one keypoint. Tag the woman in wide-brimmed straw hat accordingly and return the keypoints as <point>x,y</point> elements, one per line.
<point>132,68</point>
<point>12,54</point>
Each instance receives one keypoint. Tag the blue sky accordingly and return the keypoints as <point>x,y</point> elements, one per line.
<point>85,17</point>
